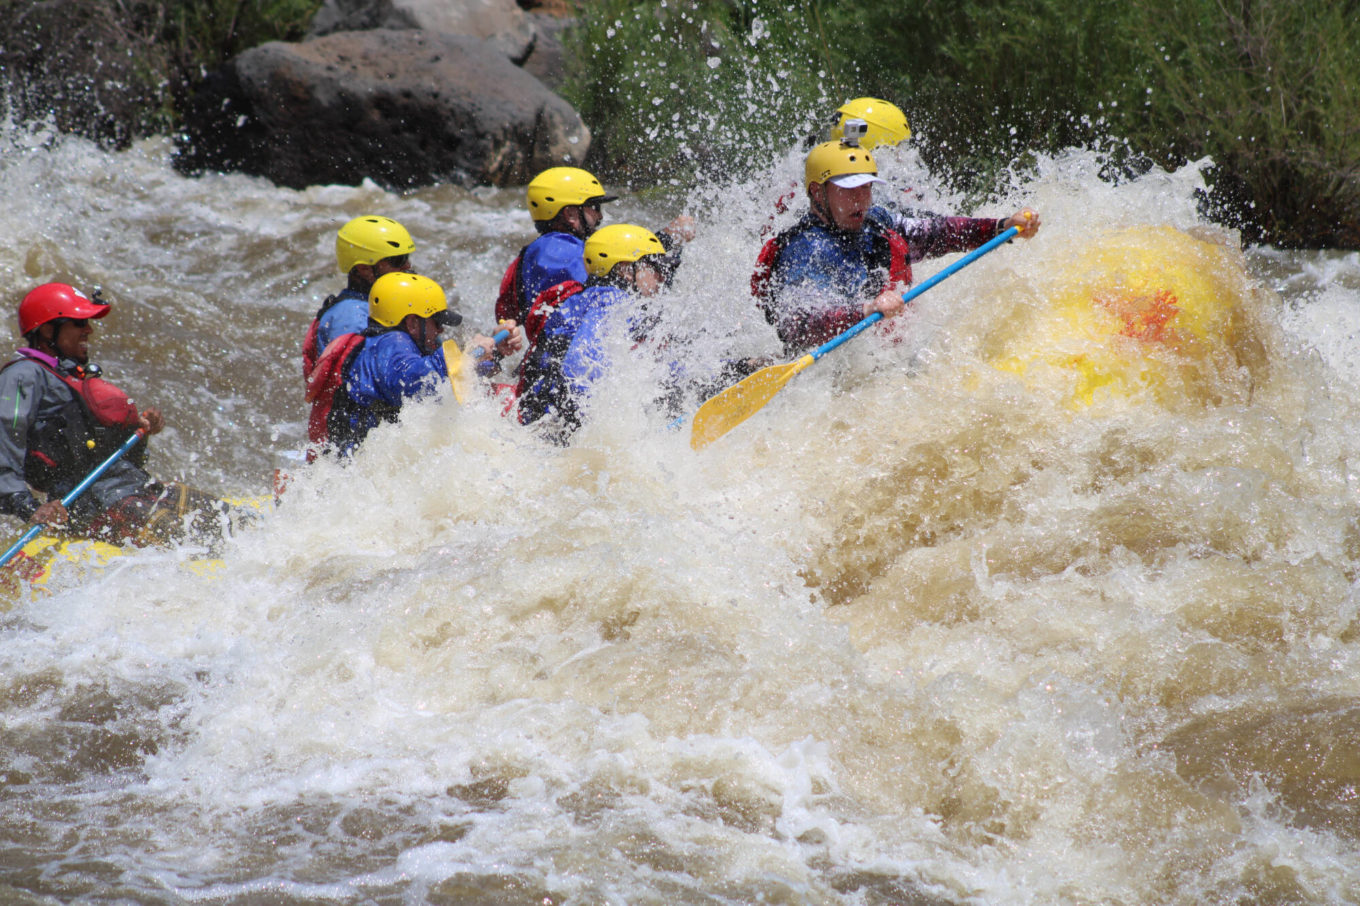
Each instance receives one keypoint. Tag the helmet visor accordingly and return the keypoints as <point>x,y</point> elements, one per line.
<point>853,180</point>
<point>446,318</point>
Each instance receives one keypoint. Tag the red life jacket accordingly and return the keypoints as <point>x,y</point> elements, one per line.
<point>508,304</point>
<point>64,448</point>
<point>543,307</point>
<point>325,381</point>
<point>538,315</point>
<point>309,350</point>
<point>897,265</point>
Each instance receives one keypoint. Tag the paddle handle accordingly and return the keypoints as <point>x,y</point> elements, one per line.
<point>71,495</point>
<point>486,364</point>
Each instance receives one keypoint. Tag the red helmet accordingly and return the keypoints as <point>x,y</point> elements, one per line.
<point>56,300</point>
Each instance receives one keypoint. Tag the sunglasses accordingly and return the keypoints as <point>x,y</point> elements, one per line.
<point>398,261</point>
<point>78,322</point>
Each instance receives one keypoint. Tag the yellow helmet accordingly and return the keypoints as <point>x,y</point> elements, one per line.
<point>557,187</point>
<point>370,239</point>
<point>832,160</point>
<point>396,295</point>
<point>610,245</point>
<point>887,124</point>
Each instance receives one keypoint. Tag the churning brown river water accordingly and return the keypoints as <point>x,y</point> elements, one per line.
<point>1049,597</point>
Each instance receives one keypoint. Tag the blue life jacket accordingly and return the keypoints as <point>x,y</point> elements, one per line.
<point>341,314</point>
<point>549,260</point>
<point>347,314</point>
<point>811,280</point>
<point>834,262</point>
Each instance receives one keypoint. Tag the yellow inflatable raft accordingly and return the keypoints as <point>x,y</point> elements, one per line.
<point>1142,313</point>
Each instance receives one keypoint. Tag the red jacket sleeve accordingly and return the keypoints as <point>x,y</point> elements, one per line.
<point>934,236</point>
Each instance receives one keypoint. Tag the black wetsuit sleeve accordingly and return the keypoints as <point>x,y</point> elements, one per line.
<point>670,261</point>
<point>19,503</point>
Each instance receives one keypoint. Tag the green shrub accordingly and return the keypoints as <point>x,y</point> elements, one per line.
<point>697,85</point>
<point>1271,90</point>
<point>1267,88</point>
<point>207,33</point>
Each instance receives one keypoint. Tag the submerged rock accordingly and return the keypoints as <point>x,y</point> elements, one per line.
<point>401,107</point>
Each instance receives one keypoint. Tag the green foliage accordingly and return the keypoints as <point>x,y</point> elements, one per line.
<point>1267,88</point>
<point>1271,90</point>
<point>206,33</point>
<point>989,80</point>
<point>695,86</point>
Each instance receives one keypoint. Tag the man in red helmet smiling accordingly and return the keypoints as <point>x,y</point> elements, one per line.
<point>60,419</point>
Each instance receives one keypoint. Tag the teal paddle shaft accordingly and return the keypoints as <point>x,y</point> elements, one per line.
<point>74,493</point>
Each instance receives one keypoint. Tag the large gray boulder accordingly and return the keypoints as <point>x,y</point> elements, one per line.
<point>401,107</point>
<point>547,60</point>
<point>501,22</point>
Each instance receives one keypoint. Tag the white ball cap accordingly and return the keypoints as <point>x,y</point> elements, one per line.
<point>853,180</point>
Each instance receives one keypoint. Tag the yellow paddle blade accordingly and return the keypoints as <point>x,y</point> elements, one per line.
<point>458,378</point>
<point>737,403</point>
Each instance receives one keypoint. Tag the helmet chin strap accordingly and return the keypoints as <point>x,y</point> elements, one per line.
<point>817,203</point>
<point>46,340</point>
<point>416,331</point>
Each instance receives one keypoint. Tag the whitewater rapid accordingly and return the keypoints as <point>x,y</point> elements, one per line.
<point>993,608</point>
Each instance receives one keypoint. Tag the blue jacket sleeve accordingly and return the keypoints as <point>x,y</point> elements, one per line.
<point>391,370</point>
<point>405,373</point>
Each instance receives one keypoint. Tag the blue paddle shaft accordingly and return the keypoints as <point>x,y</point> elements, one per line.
<point>489,360</point>
<point>1000,239</point>
<point>915,291</point>
<point>74,493</point>
<point>853,332</point>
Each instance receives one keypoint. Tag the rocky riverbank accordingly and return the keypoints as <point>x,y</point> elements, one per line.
<point>403,92</point>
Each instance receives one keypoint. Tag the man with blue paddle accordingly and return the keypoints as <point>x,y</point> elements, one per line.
<point>845,258</point>
<point>844,266</point>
